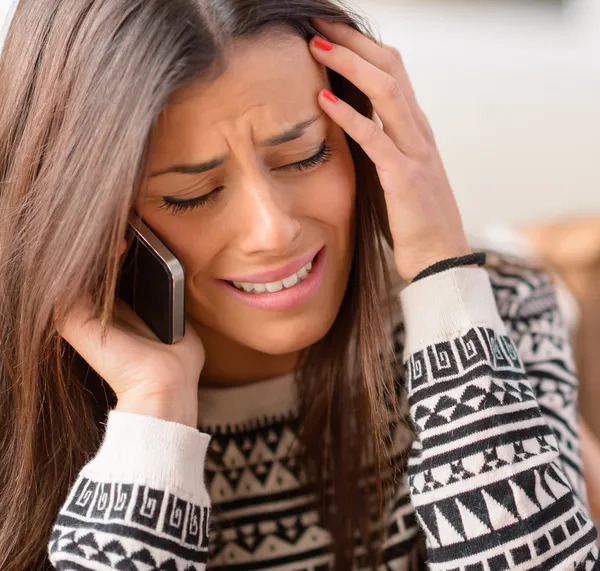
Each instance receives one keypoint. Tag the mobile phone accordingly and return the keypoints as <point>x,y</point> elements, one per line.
<point>152,282</point>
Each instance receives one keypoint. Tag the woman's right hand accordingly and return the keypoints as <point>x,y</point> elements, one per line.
<point>149,377</point>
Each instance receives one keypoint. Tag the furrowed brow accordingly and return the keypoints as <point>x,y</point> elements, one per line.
<point>294,133</point>
<point>290,135</point>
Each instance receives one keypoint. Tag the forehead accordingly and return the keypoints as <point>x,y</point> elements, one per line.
<point>269,83</point>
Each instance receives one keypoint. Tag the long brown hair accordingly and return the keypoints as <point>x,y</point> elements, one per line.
<point>82,83</point>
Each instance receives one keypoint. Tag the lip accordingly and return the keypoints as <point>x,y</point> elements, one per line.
<point>286,298</point>
<point>278,274</point>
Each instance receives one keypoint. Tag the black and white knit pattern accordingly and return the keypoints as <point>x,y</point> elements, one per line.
<point>119,525</point>
<point>493,479</point>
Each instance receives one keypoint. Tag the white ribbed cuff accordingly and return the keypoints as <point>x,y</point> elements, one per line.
<point>446,305</point>
<point>152,451</point>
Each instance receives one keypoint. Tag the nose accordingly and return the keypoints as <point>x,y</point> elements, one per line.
<point>265,219</point>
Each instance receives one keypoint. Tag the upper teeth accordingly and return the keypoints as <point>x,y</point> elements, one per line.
<point>272,287</point>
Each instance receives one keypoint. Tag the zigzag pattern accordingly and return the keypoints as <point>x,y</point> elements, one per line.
<point>93,550</point>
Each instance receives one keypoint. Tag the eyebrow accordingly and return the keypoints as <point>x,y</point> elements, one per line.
<point>292,134</point>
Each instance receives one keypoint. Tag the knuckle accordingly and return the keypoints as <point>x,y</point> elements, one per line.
<point>390,87</point>
<point>424,126</point>
<point>428,133</point>
<point>346,32</point>
<point>372,131</point>
<point>393,58</point>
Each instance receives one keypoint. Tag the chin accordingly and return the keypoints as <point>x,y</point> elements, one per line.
<point>291,338</point>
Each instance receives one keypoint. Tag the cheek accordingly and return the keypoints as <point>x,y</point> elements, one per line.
<point>180,235</point>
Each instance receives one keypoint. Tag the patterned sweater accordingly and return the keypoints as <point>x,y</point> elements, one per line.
<point>493,480</point>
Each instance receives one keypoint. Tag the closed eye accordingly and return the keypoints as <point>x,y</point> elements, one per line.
<point>177,205</point>
<point>320,157</point>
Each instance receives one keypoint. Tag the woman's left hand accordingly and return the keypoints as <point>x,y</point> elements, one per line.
<point>423,215</point>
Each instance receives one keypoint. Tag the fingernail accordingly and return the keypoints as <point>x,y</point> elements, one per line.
<point>322,43</point>
<point>328,95</point>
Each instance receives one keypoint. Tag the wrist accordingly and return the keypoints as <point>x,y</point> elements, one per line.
<point>175,408</point>
<point>467,260</point>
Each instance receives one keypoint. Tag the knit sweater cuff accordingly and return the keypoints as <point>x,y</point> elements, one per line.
<point>446,305</point>
<point>151,451</point>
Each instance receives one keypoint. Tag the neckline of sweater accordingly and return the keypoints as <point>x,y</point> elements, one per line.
<point>247,406</point>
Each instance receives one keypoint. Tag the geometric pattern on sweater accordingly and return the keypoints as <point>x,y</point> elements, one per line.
<point>491,471</point>
<point>134,526</point>
<point>464,486</point>
<point>526,300</point>
<point>263,511</point>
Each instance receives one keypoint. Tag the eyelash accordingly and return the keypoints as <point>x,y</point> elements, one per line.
<point>319,158</point>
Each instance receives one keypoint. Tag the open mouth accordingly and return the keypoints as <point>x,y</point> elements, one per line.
<point>278,285</point>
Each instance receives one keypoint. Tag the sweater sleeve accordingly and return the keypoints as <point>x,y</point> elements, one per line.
<point>140,503</point>
<point>492,485</point>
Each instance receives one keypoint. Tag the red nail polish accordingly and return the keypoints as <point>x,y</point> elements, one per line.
<point>328,95</point>
<point>323,44</point>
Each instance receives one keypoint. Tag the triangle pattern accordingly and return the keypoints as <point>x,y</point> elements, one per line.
<point>115,546</point>
<point>524,503</point>
<point>502,493</point>
<point>445,402</point>
<point>499,515</point>
<point>558,489</point>
<point>428,518</point>
<point>490,401</point>
<point>88,540</point>
<point>472,392</point>
<point>526,481</point>
<point>462,410</point>
<point>543,497</point>
<point>435,420</point>
<point>88,550</point>
<point>447,530</point>
<point>421,412</point>
<point>450,511</point>
<point>472,525</point>
<point>474,502</point>
<point>431,538</point>
<point>144,556</point>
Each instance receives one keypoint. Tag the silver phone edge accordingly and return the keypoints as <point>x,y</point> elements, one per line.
<point>176,270</point>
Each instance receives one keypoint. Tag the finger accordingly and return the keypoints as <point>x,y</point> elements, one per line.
<point>367,133</point>
<point>128,319</point>
<point>381,88</point>
<point>85,333</point>
<point>384,57</point>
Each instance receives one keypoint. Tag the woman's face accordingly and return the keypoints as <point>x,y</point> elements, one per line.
<point>251,183</point>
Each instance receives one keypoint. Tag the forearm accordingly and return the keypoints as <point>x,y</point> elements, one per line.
<point>485,474</point>
<point>144,490</point>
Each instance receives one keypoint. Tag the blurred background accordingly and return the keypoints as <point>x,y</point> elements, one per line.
<point>512,91</point>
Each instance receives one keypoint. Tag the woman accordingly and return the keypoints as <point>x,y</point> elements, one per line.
<point>275,434</point>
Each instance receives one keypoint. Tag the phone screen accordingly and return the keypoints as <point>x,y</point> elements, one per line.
<point>152,282</point>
